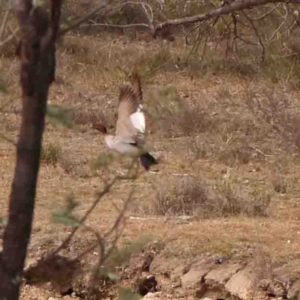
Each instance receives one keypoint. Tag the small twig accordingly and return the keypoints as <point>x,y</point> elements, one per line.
<point>101,244</point>
<point>99,197</point>
<point>106,8</point>
<point>121,214</point>
<point>9,38</point>
<point>89,15</point>
<point>4,22</point>
<point>259,151</point>
<point>100,240</point>
<point>267,13</point>
<point>143,219</point>
<point>8,139</point>
<point>279,27</point>
<point>149,16</point>
<point>111,230</point>
<point>4,105</point>
<point>247,42</point>
<point>263,54</point>
<point>117,26</point>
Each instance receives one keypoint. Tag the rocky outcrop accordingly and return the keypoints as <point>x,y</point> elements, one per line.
<point>206,278</point>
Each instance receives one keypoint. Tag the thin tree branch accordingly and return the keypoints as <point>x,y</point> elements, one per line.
<point>69,238</point>
<point>117,26</point>
<point>89,15</point>
<point>263,54</point>
<point>267,13</point>
<point>223,10</point>
<point>279,27</point>
<point>9,38</point>
<point>4,22</point>
<point>2,136</point>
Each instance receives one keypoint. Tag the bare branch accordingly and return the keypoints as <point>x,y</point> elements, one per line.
<point>263,54</point>
<point>8,39</point>
<point>215,12</point>
<point>103,6</point>
<point>4,22</point>
<point>279,27</point>
<point>114,228</point>
<point>117,26</point>
<point>99,197</point>
<point>2,136</point>
<point>267,13</point>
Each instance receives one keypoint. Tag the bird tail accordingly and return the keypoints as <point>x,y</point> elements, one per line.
<point>147,160</point>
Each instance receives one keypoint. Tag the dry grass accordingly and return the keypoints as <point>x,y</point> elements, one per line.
<point>194,197</point>
<point>51,154</point>
<point>182,196</point>
<point>200,125</point>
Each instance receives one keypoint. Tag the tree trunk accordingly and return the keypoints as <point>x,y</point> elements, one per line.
<point>37,55</point>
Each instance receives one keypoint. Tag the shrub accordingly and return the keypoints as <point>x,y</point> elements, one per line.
<point>194,197</point>
<point>181,196</point>
<point>51,154</point>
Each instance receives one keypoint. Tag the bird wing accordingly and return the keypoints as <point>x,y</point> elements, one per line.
<point>131,119</point>
<point>135,83</point>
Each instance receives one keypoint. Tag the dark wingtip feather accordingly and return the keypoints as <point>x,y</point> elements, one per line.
<point>135,82</point>
<point>126,92</point>
<point>147,160</point>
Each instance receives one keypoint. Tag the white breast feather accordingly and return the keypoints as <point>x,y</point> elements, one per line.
<point>138,121</point>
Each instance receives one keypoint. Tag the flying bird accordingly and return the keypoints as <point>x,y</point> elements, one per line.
<point>130,125</point>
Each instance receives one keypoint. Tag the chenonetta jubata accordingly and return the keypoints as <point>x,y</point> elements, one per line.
<point>131,125</point>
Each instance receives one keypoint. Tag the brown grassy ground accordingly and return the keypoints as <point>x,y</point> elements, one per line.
<point>241,161</point>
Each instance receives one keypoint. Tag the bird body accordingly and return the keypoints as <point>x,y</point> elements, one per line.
<point>130,126</point>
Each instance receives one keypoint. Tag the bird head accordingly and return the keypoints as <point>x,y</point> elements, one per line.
<point>100,127</point>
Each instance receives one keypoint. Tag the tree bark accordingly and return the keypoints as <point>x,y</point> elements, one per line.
<point>37,55</point>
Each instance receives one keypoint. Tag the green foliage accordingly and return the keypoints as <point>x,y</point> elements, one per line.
<point>3,221</point>
<point>58,116</point>
<point>4,4</point>
<point>3,87</point>
<point>120,257</point>
<point>66,216</point>
<point>51,154</point>
<point>127,294</point>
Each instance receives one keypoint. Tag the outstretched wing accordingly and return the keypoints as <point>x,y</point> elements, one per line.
<point>135,83</point>
<point>131,119</point>
<point>138,118</point>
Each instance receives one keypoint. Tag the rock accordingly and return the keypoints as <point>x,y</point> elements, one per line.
<point>51,298</point>
<point>242,283</point>
<point>294,290</point>
<point>163,265</point>
<point>179,271</point>
<point>221,274</point>
<point>272,287</point>
<point>156,296</point>
<point>193,278</point>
